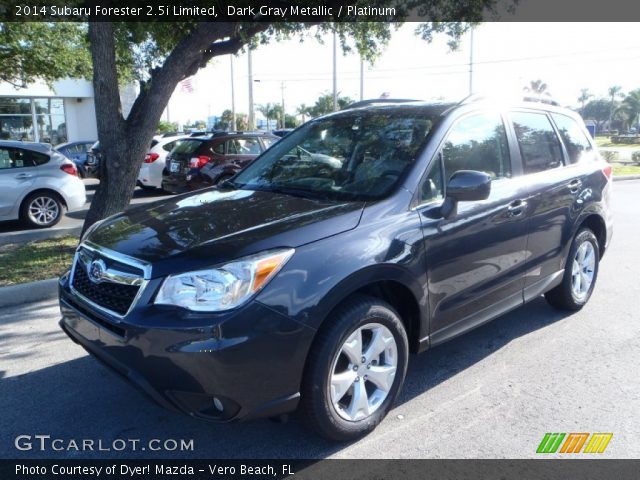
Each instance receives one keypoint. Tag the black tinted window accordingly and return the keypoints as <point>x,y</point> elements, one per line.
<point>19,158</point>
<point>539,144</point>
<point>478,142</point>
<point>188,146</point>
<point>575,140</point>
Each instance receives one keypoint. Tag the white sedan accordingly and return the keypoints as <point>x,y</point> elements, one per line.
<point>150,175</point>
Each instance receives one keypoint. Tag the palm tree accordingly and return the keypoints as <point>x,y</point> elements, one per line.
<point>303,111</point>
<point>538,87</point>
<point>584,97</point>
<point>269,110</point>
<point>614,91</point>
<point>631,107</point>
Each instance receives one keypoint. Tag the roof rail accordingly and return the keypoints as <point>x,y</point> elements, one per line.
<point>364,103</point>
<point>527,97</point>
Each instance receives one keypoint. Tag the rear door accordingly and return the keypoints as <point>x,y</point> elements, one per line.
<point>242,150</point>
<point>18,170</point>
<point>553,191</point>
<point>474,260</point>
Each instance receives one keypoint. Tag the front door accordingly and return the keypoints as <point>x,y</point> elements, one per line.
<point>475,259</point>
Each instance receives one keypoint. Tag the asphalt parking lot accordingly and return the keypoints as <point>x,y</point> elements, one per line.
<point>492,393</point>
<point>14,230</point>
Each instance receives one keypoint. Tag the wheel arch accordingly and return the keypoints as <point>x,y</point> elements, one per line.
<point>597,225</point>
<point>58,195</point>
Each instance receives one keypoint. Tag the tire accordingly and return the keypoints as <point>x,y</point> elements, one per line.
<point>572,294</point>
<point>42,209</point>
<point>329,363</point>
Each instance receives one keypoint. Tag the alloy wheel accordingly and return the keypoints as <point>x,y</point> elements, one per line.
<point>363,372</point>
<point>582,270</point>
<point>43,210</point>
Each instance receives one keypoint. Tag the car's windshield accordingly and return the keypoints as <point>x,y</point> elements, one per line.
<point>356,155</point>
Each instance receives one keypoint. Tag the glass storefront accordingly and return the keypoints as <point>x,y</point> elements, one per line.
<point>18,116</point>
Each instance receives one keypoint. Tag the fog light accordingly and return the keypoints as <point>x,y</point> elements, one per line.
<point>218,404</point>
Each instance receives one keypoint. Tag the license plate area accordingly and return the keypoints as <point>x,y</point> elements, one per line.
<point>174,167</point>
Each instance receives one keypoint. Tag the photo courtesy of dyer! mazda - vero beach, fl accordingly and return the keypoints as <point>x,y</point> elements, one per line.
<point>306,280</point>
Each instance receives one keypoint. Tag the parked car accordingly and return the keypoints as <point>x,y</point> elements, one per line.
<point>210,159</point>
<point>77,152</point>
<point>37,184</point>
<point>365,235</point>
<point>282,132</point>
<point>150,175</point>
<point>92,165</point>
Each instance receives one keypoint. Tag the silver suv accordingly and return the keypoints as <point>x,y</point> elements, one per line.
<point>37,184</point>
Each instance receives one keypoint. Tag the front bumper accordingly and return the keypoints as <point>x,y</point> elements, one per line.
<point>250,361</point>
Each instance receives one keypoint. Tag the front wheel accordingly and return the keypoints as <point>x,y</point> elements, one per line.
<point>355,369</point>
<point>580,273</point>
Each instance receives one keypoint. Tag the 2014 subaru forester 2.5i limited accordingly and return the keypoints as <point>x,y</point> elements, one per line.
<point>305,281</point>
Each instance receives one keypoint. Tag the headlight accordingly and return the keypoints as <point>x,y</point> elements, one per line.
<point>224,287</point>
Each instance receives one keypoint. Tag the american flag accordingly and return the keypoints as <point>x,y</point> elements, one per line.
<point>186,86</point>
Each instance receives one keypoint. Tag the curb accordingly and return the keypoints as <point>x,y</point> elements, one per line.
<point>626,177</point>
<point>32,235</point>
<point>28,292</point>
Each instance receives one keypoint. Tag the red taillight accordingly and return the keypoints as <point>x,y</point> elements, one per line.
<point>151,157</point>
<point>69,168</point>
<point>607,170</point>
<point>199,162</point>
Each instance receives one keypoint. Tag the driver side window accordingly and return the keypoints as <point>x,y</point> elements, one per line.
<point>476,142</point>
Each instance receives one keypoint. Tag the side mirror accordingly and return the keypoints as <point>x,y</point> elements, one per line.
<point>465,186</point>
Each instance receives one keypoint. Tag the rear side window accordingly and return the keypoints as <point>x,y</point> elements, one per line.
<point>171,145</point>
<point>267,141</point>
<point>575,140</point>
<point>188,147</point>
<point>539,144</point>
<point>19,158</point>
<point>244,146</point>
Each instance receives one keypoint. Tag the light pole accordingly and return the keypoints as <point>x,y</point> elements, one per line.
<point>234,125</point>
<point>251,120</point>
<point>284,117</point>
<point>335,72</point>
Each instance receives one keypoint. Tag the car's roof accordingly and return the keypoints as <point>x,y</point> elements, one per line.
<point>38,147</point>
<point>224,135</point>
<point>76,142</point>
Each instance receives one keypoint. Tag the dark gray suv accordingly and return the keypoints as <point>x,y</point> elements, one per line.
<point>307,279</point>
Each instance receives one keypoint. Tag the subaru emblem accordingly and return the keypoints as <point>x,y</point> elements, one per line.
<point>96,270</point>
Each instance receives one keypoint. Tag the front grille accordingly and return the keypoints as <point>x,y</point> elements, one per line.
<point>111,296</point>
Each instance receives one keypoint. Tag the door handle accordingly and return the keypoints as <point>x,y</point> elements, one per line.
<point>21,176</point>
<point>516,208</point>
<point>574,185</point>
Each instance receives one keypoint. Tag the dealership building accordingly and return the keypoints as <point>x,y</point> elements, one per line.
<point>61,112</point>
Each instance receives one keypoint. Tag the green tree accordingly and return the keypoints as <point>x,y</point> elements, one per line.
<point>597,110</point>
<point>630,108</point>
<point>538,87</point>
<point>291,121</point>
<point>242,122</point>
<point>38,50</point>
<point>614,91</point>
<point>324,104</point>
<point>158,55</point>
<point>584,98</point>
<point>166,127</point>
<point>302,111</point>
<point>270,111</point>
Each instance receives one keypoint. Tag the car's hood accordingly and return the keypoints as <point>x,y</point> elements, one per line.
<point>210,226</point>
